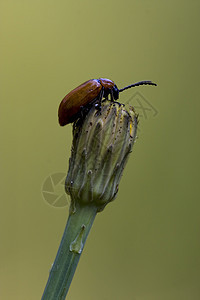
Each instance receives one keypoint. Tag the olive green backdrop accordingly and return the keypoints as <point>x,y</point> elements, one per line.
<point>146,244</point>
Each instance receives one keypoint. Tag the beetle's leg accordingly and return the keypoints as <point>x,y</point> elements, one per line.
<point>111,95</point>
<point>101,94</point>
<point>105,95</point>
<point>83,111</point>
<point>99,100</point>
<point>118,103</point>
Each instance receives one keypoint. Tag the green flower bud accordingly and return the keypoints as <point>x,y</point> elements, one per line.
<point>101,146</point>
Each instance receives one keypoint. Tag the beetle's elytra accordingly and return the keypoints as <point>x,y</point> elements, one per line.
<point>88,92</point>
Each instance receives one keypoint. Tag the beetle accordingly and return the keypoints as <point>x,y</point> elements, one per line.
<point>89,92</point>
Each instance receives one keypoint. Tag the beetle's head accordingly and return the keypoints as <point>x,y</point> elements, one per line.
<point>115,92</point>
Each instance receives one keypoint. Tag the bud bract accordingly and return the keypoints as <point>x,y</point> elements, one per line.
<point>102,142</point>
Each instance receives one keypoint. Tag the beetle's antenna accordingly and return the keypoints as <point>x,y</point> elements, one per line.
<point>145,82</point>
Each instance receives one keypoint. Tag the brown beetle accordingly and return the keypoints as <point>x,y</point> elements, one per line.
<point>89,92</point>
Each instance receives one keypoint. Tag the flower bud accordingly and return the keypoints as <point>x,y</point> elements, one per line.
<point>101,145</point>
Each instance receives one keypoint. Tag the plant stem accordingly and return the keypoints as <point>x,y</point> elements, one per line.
<point>69,252</point>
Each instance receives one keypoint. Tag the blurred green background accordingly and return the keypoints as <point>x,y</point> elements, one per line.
<point>146,244</point>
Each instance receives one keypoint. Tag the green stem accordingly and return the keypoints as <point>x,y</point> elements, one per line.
<point>69,252</point>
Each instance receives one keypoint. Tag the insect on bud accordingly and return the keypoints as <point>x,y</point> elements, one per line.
<point>101,146</point>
